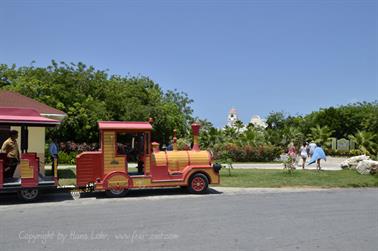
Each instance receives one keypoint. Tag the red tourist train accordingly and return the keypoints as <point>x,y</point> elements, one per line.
<point>126,160</point>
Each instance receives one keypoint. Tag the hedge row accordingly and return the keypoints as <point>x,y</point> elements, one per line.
<point>247,153</point>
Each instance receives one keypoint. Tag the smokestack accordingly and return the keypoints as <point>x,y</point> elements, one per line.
<point>155,147</point>
<point>174,140</point>
<point>195,129</point>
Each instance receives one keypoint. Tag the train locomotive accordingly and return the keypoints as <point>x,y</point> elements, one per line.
<point>108,168</point>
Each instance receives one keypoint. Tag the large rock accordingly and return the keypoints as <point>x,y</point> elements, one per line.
<point>353,161</point>
<point>367,166</point>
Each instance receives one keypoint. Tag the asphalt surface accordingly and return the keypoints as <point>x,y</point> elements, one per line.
<point>168,219</point>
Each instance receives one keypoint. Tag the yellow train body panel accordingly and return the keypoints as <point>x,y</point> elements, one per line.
<point>111,161</point>
<point>199,158</point>
<point>26,169</point>
<point>117,180</point>
<point>147,165</point>
<point>177,160</point>
<point>141,182</point>
<point>159,159</point>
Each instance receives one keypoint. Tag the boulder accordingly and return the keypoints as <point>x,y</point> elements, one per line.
<point>367,166</point>
<point>353,161</point>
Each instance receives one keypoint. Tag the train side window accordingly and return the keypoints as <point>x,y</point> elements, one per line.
<point>123,143</point>
<point>131,145</point>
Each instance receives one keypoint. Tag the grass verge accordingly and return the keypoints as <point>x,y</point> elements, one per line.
<point>299,178</point>
<point>272,178</point>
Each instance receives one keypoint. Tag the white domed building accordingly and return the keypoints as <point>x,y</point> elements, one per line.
<point>256,120</point>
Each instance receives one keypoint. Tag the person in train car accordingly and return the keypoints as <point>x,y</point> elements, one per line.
<point>10,147</point>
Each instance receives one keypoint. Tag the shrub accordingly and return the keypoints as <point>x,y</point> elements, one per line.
<point>67,158</point>
<point>353,152</point>
<point>247,153</point>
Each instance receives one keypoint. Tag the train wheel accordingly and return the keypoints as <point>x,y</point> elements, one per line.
<point>198,183</point>
<point>114,193</point>
<point>28,195</point>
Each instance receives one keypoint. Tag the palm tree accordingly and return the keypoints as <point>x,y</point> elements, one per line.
<point>252,137</point>
<point>292,134</point>
<point>211,137</point>
<point>239,126</point>
<point>321,135</point>
<point>230,134</point>
<point>366,142</point>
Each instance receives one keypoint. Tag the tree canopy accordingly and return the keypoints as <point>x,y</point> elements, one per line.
<point>88,95</point>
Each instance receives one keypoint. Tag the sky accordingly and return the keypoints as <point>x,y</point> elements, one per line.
<point>257,56</point>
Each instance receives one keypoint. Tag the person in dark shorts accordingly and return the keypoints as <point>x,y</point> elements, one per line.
<point>10,147</point>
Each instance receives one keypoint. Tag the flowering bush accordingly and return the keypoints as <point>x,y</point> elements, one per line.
<point>69,150</point>
<point>247,153</point>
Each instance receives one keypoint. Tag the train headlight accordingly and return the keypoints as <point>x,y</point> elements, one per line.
<point>217,167</point>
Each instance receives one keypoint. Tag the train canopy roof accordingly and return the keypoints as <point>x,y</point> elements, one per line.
<point>16,100</point>
<point>24,116</point>
<point>121,125</point>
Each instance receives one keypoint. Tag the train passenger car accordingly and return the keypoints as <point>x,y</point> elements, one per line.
<point>123,143</point>
<point>29,177</point>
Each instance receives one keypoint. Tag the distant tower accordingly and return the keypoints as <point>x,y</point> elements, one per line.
<point>232,117</point>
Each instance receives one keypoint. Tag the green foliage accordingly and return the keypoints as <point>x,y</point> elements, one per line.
<point>348,119</point>
<point>353,152</point>
<point>299,178</point>
<point>88,95</point>
<point>183,144</point>
<point>247,153</point>
<point>366,142</point>
<point>67,158</point>
<point>321,135</point>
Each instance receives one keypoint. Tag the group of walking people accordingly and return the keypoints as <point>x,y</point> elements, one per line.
<point>313,152</point>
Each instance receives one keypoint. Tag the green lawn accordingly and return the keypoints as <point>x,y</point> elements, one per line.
<point>273,178</point>
<point>299,178</point>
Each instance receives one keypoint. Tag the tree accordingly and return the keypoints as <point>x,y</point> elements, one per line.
<point>276,120</point>
<point>366,142</point>
<point>292,134</point>
<point>239,126</point>
<point>251,137</point>
<point>88,95</point>
<point>321,135</point>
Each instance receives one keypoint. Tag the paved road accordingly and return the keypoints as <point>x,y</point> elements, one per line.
<point>228,219</point>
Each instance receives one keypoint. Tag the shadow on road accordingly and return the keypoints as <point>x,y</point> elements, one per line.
<point>66,195</point>
<point>146,192</point>
<point>44,196</point>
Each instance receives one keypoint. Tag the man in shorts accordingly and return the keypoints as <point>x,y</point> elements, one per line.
<point>10,147</point>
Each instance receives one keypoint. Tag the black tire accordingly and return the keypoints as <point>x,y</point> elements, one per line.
<point>116,193</point>
<point>198,184</point>
<point>184,189</point>
<point>28,195</point>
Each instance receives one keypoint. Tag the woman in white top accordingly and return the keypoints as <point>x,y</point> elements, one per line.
<point>303,152</point>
